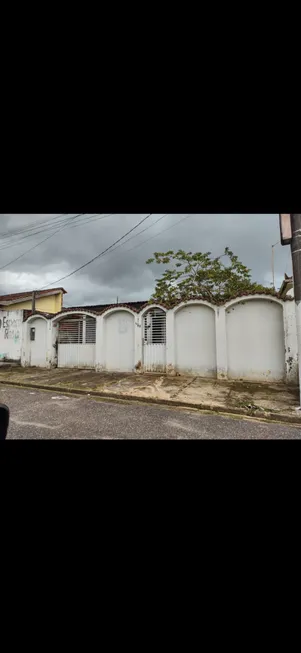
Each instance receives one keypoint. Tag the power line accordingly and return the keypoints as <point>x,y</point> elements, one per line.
<point>141,232</point>
<point>156,235</point>
<point>30,250</point>
<point>41,229</point>
<point>95,219</point>
<point>111,246</point>
<point>126,251</point>
<point>9,243</point>
<point>63,223</point>
<point>129,250</point>
<point>43,241</point>
<point>36,223</point>
<point>86,220</point>
<point>28,226</point>
<point>98,255</point>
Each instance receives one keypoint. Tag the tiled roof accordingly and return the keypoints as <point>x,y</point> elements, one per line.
<point>28,294</point>
<point>27,313</point>
<point>267,292</point>
<point>98,309</point>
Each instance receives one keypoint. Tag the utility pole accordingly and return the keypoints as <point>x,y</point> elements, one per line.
<point>273,267</point>
<point>33,304</point>
<point>290,234</point>
<point>296,260</point>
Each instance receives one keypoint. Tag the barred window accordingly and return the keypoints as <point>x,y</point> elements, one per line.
<point>71,330</point>
<point>154,327</point>
<point>90,330</point>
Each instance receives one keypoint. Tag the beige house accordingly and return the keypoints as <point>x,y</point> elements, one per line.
<point>46,301</point>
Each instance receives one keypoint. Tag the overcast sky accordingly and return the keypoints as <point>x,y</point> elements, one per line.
<point>123,273</point>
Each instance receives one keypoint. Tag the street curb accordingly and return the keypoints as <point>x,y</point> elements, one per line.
<point>271,417</point>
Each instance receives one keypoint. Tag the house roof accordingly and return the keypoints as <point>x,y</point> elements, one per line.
<point>99,308</point>
<point>15,297</point>
<point>28,313</point>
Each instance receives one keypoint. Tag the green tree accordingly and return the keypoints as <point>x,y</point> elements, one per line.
<point>193,275</point>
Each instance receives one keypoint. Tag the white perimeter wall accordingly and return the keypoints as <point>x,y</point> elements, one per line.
<point>195,340</point>
<point>11,331</point>
<point>255,340</point>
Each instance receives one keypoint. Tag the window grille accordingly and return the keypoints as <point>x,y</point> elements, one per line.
<point>90,330</point>
<point>71,331</point>
<point>154,327</point>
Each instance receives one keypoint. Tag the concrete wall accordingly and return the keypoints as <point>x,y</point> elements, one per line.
<point>255,340</point>
<point>11,333</point>
<point>251,338</point>
<point>195,340</point>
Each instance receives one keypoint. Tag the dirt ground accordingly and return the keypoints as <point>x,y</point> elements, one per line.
<point>266,400</point>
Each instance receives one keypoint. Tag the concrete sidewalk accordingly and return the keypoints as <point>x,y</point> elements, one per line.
<point>269,401</point>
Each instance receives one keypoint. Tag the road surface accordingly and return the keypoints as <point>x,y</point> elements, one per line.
<point>42,415</point>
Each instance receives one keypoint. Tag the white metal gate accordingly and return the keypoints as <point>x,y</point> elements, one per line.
<point>76,341</point>
<point>119,341</point>
<point>37,339</point>
<point>154,340</point>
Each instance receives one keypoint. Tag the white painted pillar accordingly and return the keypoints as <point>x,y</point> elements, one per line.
<point>54,326</point>
<point>49,347</point>
<point>22,341</point>
<point>170,341</point>
<point>25,345</point>
<point>138,343</point>
<point>99,344</point>
<point>84,329</point>
<point>290,342</point>
<point>221,342</point>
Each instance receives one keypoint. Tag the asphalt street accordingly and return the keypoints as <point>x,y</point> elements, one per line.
<point>42,415</point>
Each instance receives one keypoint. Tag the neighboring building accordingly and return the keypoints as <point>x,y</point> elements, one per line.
<point>47,301</point>
<point>13,311</point>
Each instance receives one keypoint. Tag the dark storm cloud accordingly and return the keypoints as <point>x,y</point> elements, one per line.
<point>123,272</point>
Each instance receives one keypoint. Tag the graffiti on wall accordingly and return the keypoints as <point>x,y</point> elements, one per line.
<point>11,328</point>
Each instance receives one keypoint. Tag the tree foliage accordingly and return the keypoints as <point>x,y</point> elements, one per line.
<point>193,275</point>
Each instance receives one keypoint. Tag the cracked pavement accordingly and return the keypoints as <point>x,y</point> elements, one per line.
<point>42,414</point>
